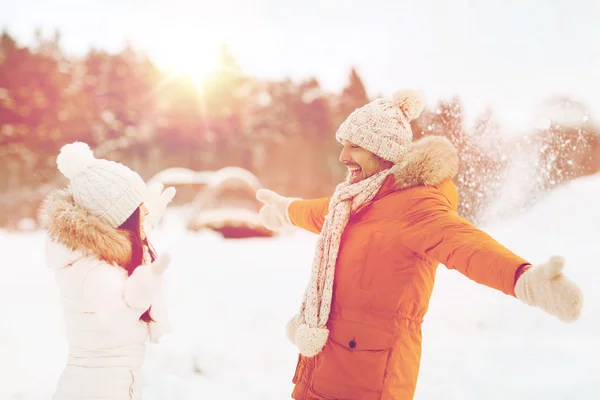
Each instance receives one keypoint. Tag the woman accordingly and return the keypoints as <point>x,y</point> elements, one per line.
<point>107,273</point>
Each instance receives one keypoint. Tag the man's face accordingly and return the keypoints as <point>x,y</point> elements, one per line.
<point>361,163</point>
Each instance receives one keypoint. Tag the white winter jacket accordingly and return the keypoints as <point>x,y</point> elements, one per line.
<point>101,303</point>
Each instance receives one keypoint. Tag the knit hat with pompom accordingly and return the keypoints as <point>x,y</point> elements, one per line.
<point>383,125</point>
<point>106,189</point>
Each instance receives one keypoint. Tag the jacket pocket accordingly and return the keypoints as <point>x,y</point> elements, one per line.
<point>373,247</point>
<point>353,363</point>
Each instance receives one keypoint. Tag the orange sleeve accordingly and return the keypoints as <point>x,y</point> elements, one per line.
<point>309,214</point>
<point>434,229</point>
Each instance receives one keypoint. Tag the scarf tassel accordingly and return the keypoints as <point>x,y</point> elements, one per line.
<point>309,340</point>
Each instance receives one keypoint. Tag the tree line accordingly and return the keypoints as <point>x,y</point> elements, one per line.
<point>129,110</point>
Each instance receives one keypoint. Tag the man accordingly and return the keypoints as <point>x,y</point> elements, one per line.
<point>381,236</point>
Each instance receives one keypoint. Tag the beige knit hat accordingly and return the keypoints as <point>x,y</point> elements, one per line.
<point>106,189</point>
<point>383,125</point>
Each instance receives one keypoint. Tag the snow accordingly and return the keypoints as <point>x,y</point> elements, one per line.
<point>311,95</point>
<point>27,224</point>
<point>264,99</point>
<point>230,300</point>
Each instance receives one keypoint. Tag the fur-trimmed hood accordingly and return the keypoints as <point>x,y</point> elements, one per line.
<point>74,233</point>
<point>428,162</point>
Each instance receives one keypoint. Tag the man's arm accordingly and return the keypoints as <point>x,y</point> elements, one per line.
<point>433,228</point>
<point>279,211</point>
<point>309,214</point>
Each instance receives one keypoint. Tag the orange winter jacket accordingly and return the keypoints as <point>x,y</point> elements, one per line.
<point>384,277</point>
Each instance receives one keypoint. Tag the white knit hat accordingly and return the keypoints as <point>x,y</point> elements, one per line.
<point>383,125</point>
<point>106,189</point>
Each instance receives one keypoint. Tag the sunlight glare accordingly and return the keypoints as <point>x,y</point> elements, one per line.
<point>197,65</point>
<point>189,53</point>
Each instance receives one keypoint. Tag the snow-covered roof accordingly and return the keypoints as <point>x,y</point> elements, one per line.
<point>179,176</point>
<point>224,174</point>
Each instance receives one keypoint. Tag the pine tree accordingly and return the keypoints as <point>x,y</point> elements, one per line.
<point>353,96</point>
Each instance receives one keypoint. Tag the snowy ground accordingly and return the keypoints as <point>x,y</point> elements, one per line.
<point>230,301</point>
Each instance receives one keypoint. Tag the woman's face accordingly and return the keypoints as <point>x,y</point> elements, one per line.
<point>143,213</point>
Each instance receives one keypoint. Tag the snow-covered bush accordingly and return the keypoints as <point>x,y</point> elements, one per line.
<point>228,205</point>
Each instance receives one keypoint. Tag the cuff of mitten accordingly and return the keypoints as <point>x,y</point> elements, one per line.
<point>520,271</point>
<point>289,202</point>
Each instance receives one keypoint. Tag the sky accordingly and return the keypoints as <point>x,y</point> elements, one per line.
<point>511,55</point>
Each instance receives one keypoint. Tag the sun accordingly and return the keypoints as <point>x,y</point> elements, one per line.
<point>187,53</point>
<point>196,64</point>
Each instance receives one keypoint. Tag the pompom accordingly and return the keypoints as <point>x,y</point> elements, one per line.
<point>310,341</point>
<point>410,102</point>
<point>292,327</point>
<point>74,158</point>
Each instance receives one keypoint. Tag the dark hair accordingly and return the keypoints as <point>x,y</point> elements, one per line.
<point>132,226</point>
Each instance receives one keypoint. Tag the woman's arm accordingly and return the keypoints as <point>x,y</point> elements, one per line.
<point>117,300</point>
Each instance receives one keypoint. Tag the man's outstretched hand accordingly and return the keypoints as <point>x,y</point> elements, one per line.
<point>546,287</point>
<point>274,212</point>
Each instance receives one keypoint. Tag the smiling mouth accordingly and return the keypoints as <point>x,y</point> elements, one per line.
<point>354,172</point>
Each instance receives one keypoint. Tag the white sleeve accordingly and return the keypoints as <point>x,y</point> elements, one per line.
<point>117,300</point>
<point>142,287</point>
